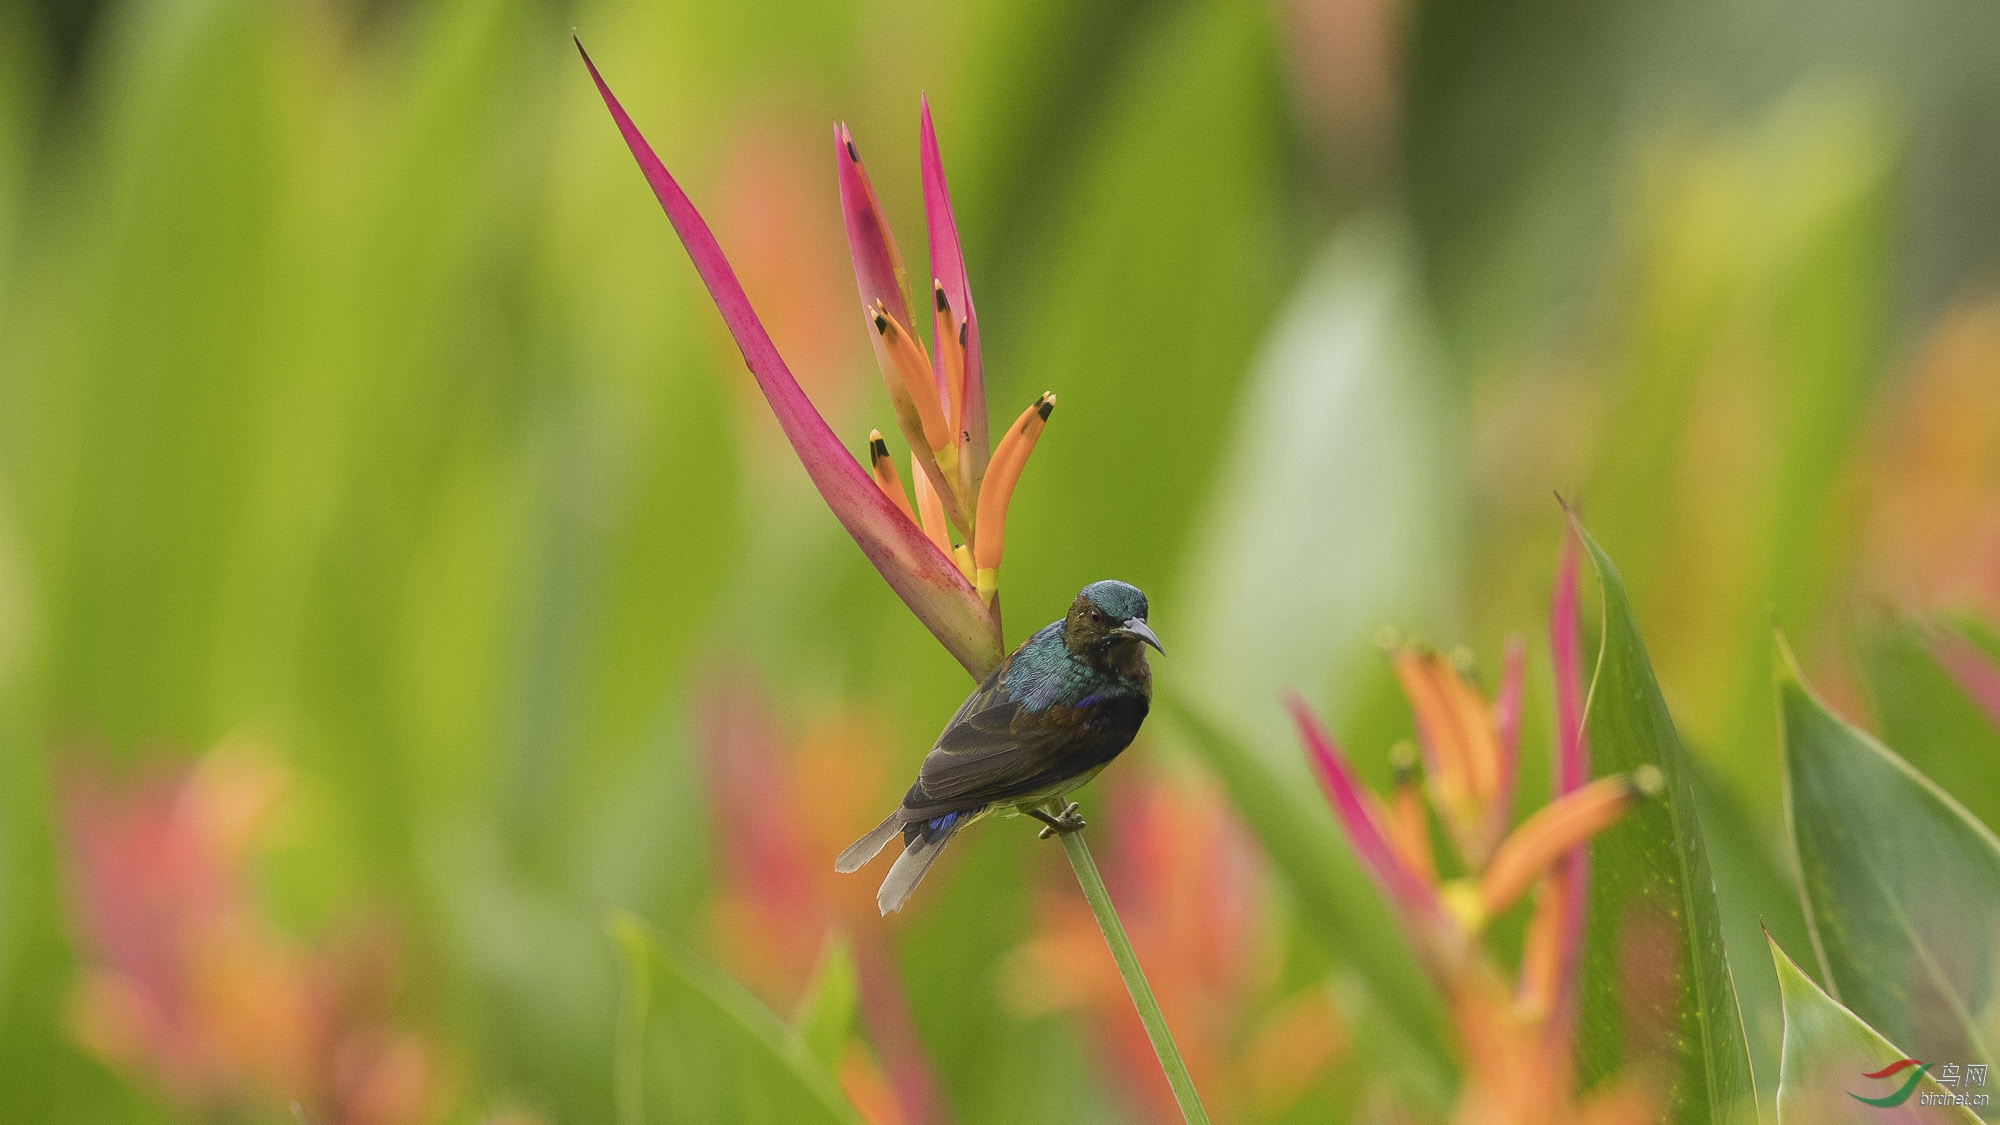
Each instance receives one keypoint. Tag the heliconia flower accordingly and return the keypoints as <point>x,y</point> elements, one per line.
<point>1516,1041</point>
<point>788,802</point>
<point>941,554</point>
<point>1468,747</point>
<point>184,984</point>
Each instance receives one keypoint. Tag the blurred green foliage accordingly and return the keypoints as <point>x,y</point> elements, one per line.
<point>355,400</point>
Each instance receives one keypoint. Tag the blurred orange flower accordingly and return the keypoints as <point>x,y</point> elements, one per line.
<point>185,985</point>
<point>1931,477</point>
<point>1189,885</point>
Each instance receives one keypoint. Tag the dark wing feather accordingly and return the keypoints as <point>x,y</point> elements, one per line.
<point>995,750</point>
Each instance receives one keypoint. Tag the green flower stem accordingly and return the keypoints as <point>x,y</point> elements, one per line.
<point>1135,980</point>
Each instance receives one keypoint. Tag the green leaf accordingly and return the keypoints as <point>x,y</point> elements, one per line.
<point>825,1016</point>
<point>695,1047</point>
<point>1921,711</point>
<point>1170,220</point>
<point>1901,883</point>
<point>1828,1053</point>
<point>1349,389</point>
<point>1758,894</point>
<point>1657,991</point>
<point>1334,898</point>
<point>634,997</point>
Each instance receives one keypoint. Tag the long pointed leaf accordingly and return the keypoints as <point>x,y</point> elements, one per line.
<point>1926,697</point>
<point>706,1050</point>
<point>928,582</point>
<point>1657,992</point>
<point>825,1015</point>
<point>1901,884</point>
<point>1830,1054</point>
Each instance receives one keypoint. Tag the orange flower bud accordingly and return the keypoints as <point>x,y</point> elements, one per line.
<point>1558,827</point>
<point>914,366</point>
<point>883,468</point>
<point>931,509</point>
<point>1002,473</point>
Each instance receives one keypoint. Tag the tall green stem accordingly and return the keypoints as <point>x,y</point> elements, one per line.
<point>1135,980</point>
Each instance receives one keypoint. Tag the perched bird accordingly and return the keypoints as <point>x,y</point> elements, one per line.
<point>1053,714</point>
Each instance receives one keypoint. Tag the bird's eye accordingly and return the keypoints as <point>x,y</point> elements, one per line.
<point>1096,616</point>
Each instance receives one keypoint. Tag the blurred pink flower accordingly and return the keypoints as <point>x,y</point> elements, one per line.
<point>792,265</point>
<point>186,987</point>
<point>784,805</point>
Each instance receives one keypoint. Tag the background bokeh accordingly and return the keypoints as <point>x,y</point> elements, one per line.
<point>366,437</point>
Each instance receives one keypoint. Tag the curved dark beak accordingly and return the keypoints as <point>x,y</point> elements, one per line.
<point>1136,626</point>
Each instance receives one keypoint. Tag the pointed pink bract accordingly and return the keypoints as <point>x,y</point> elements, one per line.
<point>948,268</point>
<point>878,265</point>
<point>1507,732</point>
<point>1364,833</point>
<point>1572,772</point>
<point>928,582</point>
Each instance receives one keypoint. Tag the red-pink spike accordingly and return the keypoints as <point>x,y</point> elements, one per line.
<point>948,267</point>
<point>1507,734</point>
<point>1418,903</point>
<point>927,581</point>
<point>1572,772</point>
<point>878,265</point>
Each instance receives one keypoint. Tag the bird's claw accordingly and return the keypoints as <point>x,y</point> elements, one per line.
<point>1061,824</point>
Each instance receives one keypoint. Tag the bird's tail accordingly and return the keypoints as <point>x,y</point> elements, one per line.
<point>921,847</point>
<point>867,847</point>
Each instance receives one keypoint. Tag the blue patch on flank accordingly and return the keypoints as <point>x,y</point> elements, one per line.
<point>940,823</point>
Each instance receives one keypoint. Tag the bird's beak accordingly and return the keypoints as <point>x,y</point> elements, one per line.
<point>1137,627</point>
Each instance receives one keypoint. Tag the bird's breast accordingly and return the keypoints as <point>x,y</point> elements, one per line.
<point>1103,714</point>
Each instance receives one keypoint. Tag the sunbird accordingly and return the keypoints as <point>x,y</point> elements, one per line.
<point>1047,720</point>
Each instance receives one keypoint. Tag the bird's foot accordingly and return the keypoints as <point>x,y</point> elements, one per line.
<point>1061,824</point>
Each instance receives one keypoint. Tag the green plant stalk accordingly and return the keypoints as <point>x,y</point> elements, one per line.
<point>1135,980</point>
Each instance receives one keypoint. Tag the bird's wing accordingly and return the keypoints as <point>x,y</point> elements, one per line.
<point>995,750</point>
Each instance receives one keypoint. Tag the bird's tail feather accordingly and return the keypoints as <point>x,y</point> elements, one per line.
<point>917,857</point>
<point>867,847</point>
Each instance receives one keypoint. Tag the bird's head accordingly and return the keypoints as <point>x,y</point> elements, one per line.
<point>1107,624</point>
